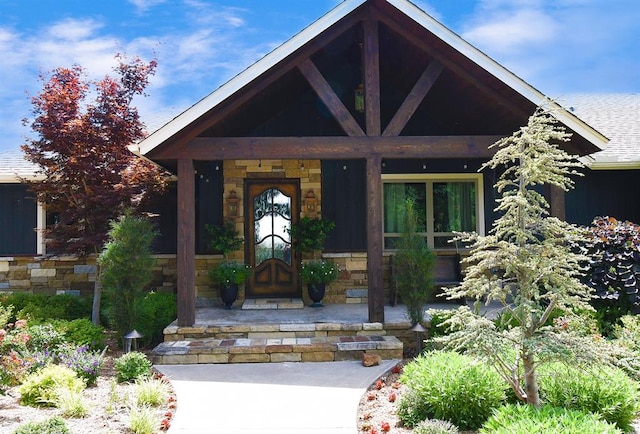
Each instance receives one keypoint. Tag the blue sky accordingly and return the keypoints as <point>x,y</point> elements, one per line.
<point>560,47</point>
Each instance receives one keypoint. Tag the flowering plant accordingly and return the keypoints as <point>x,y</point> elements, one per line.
<point>230,272</point>
<point>85,363</point>
<point>319,271</point>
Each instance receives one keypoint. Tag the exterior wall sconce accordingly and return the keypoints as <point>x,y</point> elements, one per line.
<point>232,205</point>
<point>359,98</point>
<point>310,203</point>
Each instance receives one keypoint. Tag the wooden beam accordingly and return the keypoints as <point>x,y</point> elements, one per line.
<point>458,69</point>
<point>256,86</point>
<point>330,99</point>
<point>374,239</point>
<point>414,99</point>
<point>186,244</point>
<point>331,147</point>
<point>556,198</point>
<point>371,65</point>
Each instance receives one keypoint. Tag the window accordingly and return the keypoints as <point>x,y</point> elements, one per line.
<point>444,204</point>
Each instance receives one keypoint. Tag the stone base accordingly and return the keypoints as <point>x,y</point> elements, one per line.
<point>262,350</point>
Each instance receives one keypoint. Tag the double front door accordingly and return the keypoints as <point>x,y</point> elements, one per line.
<point>272,206</point>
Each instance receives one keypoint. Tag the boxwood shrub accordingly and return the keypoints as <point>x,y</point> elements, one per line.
<point>450,386</point>
<point>601,389</point>
<point>527,419</point>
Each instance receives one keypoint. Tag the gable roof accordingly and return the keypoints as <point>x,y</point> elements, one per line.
<point>618,117</point>
<point>13,167</point>
<point>332,17</point>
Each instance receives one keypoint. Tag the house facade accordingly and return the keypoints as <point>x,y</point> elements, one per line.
<point>373,103</point>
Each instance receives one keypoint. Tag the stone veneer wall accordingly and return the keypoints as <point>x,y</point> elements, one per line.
<point>51,275</point>
<point>57,275</point>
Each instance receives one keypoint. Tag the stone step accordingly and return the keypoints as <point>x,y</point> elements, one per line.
<point>269,349</point>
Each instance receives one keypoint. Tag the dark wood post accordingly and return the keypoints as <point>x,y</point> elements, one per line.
<point>186,244</point>
<point>556,198</point>
<point>374,239</point>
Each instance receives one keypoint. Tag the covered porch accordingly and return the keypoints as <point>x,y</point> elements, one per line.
<point>376,92</point>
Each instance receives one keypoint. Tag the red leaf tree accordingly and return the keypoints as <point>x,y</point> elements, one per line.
<point>84,129</point>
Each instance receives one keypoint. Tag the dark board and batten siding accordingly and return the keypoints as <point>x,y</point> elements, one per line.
<point>18,220</point>
<point>613,193</point>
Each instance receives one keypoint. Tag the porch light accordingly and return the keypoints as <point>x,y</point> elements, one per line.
<point>131,341</point>
<point>359,98</point>
<point>310,203</point>
<point>232,205</point>
<point>418,330</point>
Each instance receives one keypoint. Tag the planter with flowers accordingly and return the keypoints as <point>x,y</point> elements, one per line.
<point>309,235</point>
<point>316,274</point>
<point>228,275</point>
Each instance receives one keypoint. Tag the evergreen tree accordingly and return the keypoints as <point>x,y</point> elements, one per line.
<point>529,261</point>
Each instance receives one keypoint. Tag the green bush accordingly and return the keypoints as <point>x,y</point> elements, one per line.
<point>39,388</point>
<point>435,426</point>
<point>413,263</point>
<point>598,389</point>
<point>54,425</point>
<point>127,269</point>
<point>131,366</point>
<point>81,332</point>
<point>156,310</point>
<point>44,338</point>
<point>526,419</point>
<point>85,363</point>
<point>452,387</point>
<point>40,307</point>
<point>152,392</point>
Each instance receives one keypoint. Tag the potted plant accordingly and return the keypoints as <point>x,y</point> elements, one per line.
<point>228,275</point>
<point>309,236</point>
<point>316,274</point>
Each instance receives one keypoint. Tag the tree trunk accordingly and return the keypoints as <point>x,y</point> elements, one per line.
<point>97,295</point>
<point>530,380</point>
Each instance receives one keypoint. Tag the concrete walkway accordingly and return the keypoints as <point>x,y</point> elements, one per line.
<point>270,398</point>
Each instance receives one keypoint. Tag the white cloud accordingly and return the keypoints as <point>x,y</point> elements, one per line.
<point>511,32</point>
<point>144,5</point>
<point>73,29</point>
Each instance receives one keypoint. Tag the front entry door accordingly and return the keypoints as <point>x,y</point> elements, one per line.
<point>272,206</point>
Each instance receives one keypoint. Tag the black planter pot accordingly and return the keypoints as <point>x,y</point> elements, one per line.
<point>316,293</point>
<point>229,294</point>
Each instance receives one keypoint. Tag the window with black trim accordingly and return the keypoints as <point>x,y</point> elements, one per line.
<point>444,203</point>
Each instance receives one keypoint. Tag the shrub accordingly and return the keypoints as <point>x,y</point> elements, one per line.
<point>6,311</point>
<point>71,403</point>
<point>527,419</point>
<point>41,307</point>
<point>598,389</point>
<point>44,338</point>
<point>81,332</point>
<point>131,366</point>
<point>413,263</point>
<point>85,363</point>
<point>143,420</point>
<point>435,426</point>
<point>40,388</point>
<point>156,310</point>
<point>54,425</point>
<point>615,265</point>
<point>452,387</point>
<point>126,262</point>
<point>150,391</point>
<point>13,368</point>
